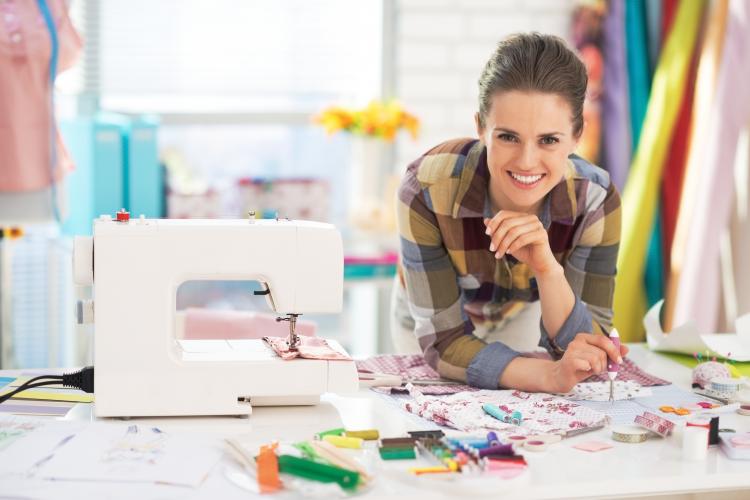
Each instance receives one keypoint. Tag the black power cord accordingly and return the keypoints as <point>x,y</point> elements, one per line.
<point>82,379</point>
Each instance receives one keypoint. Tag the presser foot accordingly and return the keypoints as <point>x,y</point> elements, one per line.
<point>293,340</point>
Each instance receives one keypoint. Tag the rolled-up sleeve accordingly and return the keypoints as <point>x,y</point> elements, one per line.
<point>590,270</point>
<point>442,328</point>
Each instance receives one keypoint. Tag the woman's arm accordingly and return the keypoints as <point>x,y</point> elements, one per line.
<point>556,297</point>
<point>586,354</point>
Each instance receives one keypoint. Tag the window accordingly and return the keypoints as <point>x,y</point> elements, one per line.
<point>234,56</point>
<point>236,82</point>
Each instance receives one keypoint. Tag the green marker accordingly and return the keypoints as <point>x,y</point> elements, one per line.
<point>315,471</point>
<point>339,431</point>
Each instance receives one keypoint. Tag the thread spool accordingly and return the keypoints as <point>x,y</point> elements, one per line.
<point>713,431</point>
<point>501,449</point>
<point>366,434</point>
<point>344,442</point>
<point>516,440</point>
<point>547,438</point>
<point>535,445</point>
<point>397,453</point>
<point>702,422</point>
<point>695,442</point>
<point>492,439</point>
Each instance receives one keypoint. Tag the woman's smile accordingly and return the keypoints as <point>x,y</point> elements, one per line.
<point>526,181</point>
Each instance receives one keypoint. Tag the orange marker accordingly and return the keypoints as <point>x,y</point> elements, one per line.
<point>268,469</point>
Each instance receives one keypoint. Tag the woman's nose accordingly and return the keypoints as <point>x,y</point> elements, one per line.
<point>528,158</point>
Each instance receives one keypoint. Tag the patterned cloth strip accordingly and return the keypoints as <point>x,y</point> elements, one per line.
<point>655,423</point>
<point>414,366</point>
<point>542,413</point>
<point>308,348</point>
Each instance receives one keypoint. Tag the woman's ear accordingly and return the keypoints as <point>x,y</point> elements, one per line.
<point>576,140</point>
<point>480,128</point>
<point>574,146</point>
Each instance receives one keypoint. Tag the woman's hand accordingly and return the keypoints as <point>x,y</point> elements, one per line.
<point>586,355</point>
<point>524,237</point>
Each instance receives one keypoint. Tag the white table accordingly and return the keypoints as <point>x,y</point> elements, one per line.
<point>651,468</point>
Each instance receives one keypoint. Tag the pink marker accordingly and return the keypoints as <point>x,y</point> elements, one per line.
<point>613,366</point>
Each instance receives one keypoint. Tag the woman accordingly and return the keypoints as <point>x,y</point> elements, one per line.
<point>511,218</point>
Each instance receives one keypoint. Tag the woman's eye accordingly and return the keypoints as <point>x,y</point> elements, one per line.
<point>507,138</point>
<point>549,140</point>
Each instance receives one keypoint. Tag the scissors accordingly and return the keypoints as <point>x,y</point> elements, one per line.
<point>677,411</point>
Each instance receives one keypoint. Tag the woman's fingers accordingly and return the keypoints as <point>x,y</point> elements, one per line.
<point>493,223</point>
<point>500,218</point>
<point>510,229</point>
<point>596,357</point>
<point>581,365</point>
<point>536,235</point>
<point>502,242</point>
<point>603,343</point>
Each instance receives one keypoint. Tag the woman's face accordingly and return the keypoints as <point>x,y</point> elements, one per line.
<point>529,136</point>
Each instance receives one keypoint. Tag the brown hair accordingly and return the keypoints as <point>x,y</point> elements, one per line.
<point>535,62</point>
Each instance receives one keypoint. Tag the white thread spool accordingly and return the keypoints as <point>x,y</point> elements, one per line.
<point>694,443</point>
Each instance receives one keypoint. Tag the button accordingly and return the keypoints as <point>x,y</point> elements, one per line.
<point>123,216</point>
<point>15,37</point>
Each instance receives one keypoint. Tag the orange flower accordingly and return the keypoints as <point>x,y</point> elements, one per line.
<point>12,233</point>
<point>335,119</point>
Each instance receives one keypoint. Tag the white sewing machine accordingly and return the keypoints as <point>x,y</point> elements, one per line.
<point>136,266</point>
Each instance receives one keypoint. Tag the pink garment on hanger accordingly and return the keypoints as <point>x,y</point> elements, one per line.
<point>24,92</point>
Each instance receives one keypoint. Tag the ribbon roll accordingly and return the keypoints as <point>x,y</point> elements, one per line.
<point>630,434</point>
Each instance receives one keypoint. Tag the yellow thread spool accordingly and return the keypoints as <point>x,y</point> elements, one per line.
<point>344,442</point>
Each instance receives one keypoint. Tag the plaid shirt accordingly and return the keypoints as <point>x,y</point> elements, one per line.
<point>453,281</point>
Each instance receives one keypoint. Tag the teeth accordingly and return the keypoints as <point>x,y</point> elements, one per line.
<point>526,179</point>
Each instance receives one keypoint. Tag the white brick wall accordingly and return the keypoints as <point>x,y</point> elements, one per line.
<point>441,47</point>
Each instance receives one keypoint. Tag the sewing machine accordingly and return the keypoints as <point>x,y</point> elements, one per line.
<point>136,267</point>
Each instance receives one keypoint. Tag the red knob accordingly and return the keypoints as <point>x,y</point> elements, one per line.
<point>123,216</point>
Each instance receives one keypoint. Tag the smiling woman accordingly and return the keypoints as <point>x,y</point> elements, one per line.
<point>488,225</point>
